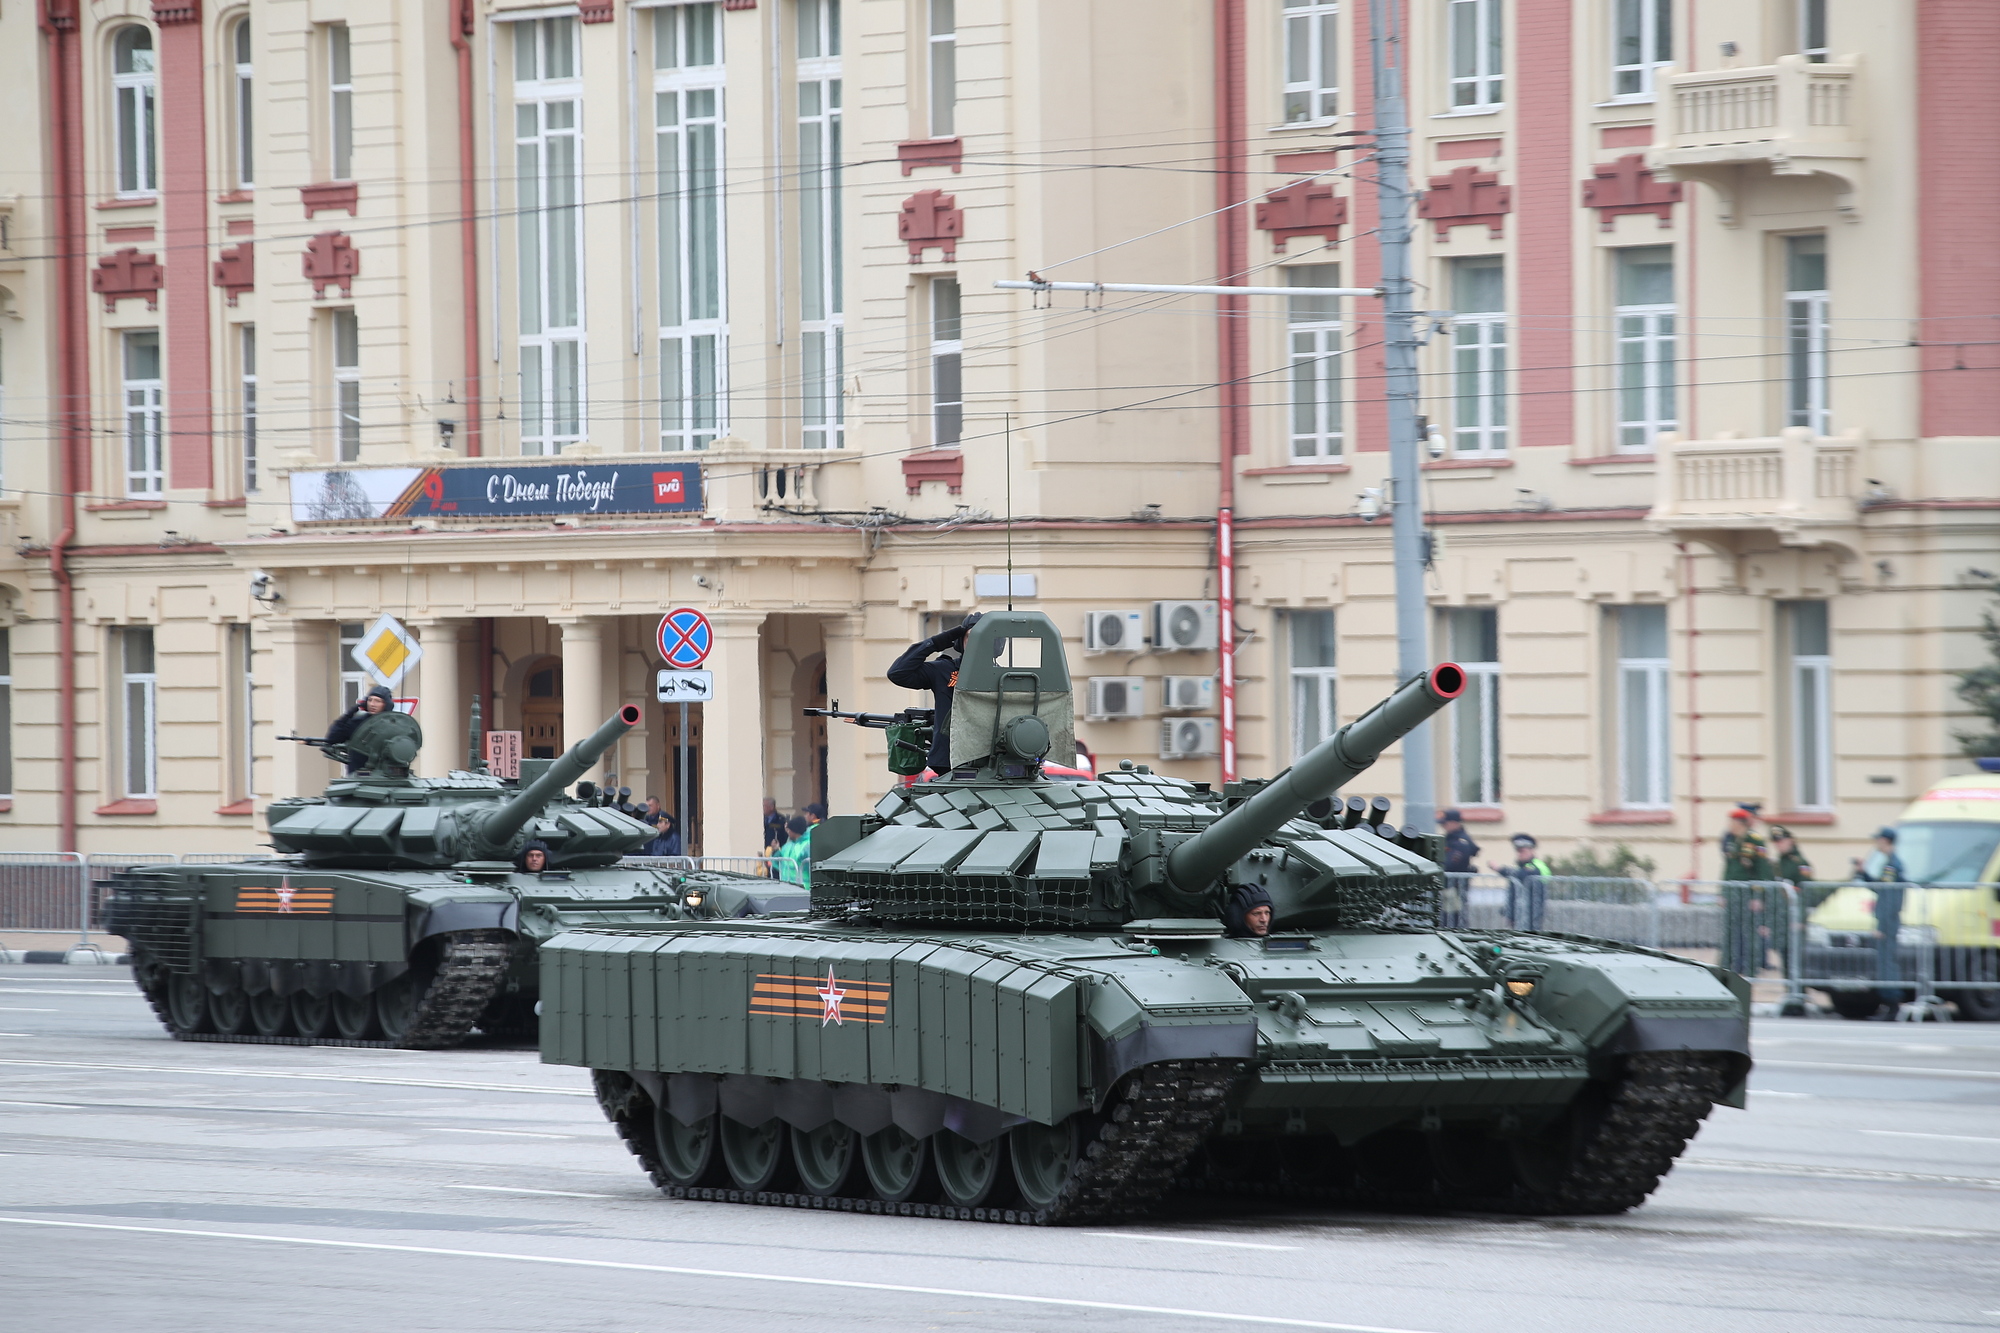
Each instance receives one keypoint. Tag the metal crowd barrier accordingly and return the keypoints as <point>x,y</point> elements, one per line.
<point>764,867</point>
<point>1945,951</point>
<point>1654,914</point>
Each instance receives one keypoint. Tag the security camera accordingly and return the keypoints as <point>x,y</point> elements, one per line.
<point>1369,505</point>
<point>261,587</point>
<point>1436,443</point>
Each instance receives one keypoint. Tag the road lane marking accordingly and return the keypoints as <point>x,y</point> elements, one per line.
<point>46,995</point>
<point>15,1009</point>
<point>522,1189</point>
<point>1772,1092</point>
<point>787,1279</point>
<point>1934,1232</point>
<point>1914,1134</point>
<point>1191,1240</point>
<point>511,1133</point>
<point>1837,1173</point>
<point>294,1074</point>
<point>59,1106</point>
<point>1919,1071</point>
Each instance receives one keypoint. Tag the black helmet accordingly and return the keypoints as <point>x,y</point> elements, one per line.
<point>1241,902</point>
<point>532,845</point>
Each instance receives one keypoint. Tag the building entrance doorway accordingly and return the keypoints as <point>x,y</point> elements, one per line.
<point>542,709</point>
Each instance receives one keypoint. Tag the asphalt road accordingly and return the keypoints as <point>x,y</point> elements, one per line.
<point>148,1184</point>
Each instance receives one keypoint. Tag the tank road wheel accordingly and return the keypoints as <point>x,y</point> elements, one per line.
<point>230,1011</point>
<point>1044,1157</point>
<point>353,1016</point>
<point>1608,1150</point>
<point>187,1004</point>
<point>825,1158</point>
<point>271,1014</point>
<point>312,1014</point>
<point>687,1152</point>
<point>1856,1004</point>
<point>396,1006</point>
<point>149,975</point>
<point>972,1175</point>
<point>755,1155</point>
<point>899,1165</point>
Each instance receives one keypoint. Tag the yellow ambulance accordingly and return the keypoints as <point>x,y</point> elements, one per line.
<point>1948,836</point>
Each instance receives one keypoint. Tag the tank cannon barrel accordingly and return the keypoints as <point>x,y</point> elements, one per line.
<point>499,827</point>
<point>1328,766</point>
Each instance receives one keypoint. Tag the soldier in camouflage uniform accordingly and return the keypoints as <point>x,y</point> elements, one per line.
<point>1744,911</point>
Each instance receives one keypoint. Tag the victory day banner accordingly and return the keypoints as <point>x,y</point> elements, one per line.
<point>335,495</point>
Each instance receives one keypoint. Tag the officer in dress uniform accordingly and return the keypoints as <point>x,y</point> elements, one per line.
<point>1745,928</point>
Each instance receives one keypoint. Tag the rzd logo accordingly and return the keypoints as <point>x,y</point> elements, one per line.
<point>667,488</point>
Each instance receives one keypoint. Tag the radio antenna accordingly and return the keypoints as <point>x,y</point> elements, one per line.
<point>1007,435</point>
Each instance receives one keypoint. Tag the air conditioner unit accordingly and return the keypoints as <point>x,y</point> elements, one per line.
<point>1114,632</point>
<point>1184,627</point>
<point>1188,738</point>
<point>1186,694</point>
<point>1115,697</point>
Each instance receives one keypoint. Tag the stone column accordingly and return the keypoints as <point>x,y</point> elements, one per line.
<point>732,739</point>
<point>441,707</point>
<point>851,785</point>
<point>583,681</point>
<point>302,703</point>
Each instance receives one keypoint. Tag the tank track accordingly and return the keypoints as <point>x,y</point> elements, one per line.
<point>1157,1120</point>
<point>1647,1119</point>
<point>471,966</point>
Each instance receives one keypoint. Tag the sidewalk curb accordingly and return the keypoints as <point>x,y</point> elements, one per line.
<point>75,957</point>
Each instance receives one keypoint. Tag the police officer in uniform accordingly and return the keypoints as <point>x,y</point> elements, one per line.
<point>932,664</point>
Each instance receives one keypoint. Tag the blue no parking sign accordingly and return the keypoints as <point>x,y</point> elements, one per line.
<point>684,638</point>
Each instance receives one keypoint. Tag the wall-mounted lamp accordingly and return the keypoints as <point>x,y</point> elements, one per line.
<point>446,429</point>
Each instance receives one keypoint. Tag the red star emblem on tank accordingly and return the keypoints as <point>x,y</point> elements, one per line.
<point>284,892</point>
<point>830,996</point>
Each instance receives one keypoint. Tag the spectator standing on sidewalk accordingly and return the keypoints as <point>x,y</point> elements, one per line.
<point>1527,885</point>
<point>1461,857</point>
<point>1885,869</point>
<point>1744,860</point>
<point>774,827</point>
<point>794,865</point>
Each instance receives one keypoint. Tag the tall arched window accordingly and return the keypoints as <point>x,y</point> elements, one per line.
<point>132,81</point>
<point>239,44</point>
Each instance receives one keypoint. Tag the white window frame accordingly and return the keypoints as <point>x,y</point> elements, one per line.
<point>1647,678</point>
<point>245,90</point>
<point>1477,710</point>
<point>139,717</point>
<point>1311,72</point>
<point>1313,345</point>
<point>344,353</point>
<point>549,304</point>
<point>1476,75</point>
<point>6,712</point>
<point>1479,378</point>
<point>339,102</point>
<point>1649,23</point>
<point>941,52</point>
<point>1644,338</point>
<point>246,401</point>
<point>822,323</point>
<point>1318,686</point>
<point>135,117</point>
<point>947,365</point>
<point>1813,44</point>
<point>1808,334</point>
<point>689,120</point>
<point>1810,685</point>
<point>145,410</point>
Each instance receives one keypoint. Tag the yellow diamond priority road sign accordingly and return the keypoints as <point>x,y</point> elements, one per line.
<point>387,652</point>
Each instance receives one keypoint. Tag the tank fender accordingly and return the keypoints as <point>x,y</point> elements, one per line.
<point>1622,1004</point>
<point>462,907</point>
<point>1154,1009</point>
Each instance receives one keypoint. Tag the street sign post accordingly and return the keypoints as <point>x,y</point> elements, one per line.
<point>388,651</point>
<point>684,639</point>
<point>685,687</point>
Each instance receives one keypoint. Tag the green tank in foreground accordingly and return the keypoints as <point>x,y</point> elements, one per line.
<point>1013,1000</point>
<point>397,915</point>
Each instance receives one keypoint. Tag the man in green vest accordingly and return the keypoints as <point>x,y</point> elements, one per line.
<point>794,864</point>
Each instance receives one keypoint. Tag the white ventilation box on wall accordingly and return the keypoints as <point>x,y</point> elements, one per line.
<point>1187,694</point>
<point>1114,632</point>
<point>1115,697</point>
<point>1189,738</point>
<point>1184,627</point>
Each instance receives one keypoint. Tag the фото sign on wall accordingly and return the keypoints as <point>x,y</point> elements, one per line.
<point>334,495</point>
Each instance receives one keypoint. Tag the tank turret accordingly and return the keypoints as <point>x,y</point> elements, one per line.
<point>382,817</point>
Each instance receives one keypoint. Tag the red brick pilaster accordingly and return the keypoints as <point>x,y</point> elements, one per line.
<point>1545,213</point>
<point>185,249</point>
<point>1958,209</point>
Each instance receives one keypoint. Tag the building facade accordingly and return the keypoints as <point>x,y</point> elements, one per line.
<point>525,324</point>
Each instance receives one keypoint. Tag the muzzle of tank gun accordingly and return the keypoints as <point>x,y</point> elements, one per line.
<point>1339,759</point>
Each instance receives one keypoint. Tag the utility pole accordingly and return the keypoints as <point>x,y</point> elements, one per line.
<point>1407,541</point>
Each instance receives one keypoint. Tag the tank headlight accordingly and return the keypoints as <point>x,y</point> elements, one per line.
<point>1520,989</point>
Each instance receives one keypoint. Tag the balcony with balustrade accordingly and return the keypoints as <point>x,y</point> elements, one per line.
<point>1738,494</point>
<point>1791,118</point>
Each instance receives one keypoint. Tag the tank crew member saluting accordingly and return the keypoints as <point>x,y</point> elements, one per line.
<point>377,700</point>
<point>915,670</point>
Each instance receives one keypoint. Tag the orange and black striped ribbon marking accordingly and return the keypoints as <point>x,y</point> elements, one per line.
<point>284,900</point>
<point>829,998</point>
